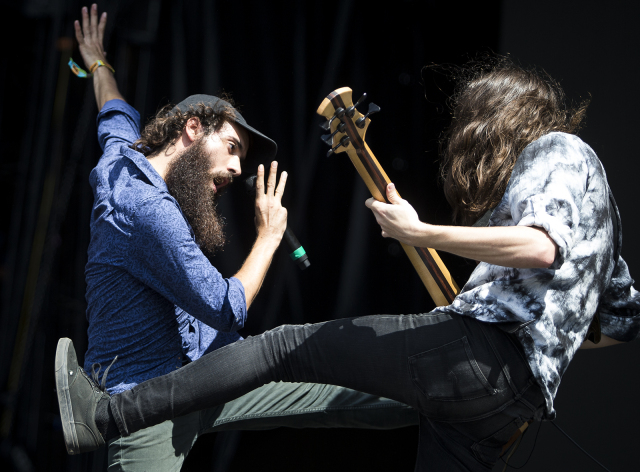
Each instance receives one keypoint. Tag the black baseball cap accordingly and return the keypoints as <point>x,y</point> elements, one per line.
<point>261,147</point>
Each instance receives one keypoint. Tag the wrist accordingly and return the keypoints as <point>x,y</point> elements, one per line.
<point>422,235</point>
<point>102,66</point>
<point>268,242</point>
<point>93,67</point>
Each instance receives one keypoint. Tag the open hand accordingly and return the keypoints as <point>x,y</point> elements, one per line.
<point>397,219</point>
<point>90,36</point>
<point>271,216</point>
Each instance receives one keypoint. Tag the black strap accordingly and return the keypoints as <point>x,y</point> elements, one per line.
<point>484,219</point>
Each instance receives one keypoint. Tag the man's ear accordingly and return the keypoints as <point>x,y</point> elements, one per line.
<point>191,130</point>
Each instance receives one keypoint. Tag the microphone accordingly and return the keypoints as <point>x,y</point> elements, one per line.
<point>298,254</point>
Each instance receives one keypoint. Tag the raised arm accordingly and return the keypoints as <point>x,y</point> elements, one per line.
<point>271,221</point>
<point>90,40</point>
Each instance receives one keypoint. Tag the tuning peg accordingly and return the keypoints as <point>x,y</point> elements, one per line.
<point>373,108</point>
<point>343,142</point>
<point>327,138</point>
<point>339,113</point>
<point>352,109</point>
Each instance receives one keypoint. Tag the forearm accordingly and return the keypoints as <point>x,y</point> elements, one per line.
<point>105,87</point>
<point>509,246</point>
<point>271,221</point>
<point>254,269</point>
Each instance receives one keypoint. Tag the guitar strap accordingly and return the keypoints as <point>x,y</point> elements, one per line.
<point>594,332</point>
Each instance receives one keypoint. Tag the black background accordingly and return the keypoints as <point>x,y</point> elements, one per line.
<point>278,60</point>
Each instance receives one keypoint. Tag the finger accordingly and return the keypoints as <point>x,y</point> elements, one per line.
<point>101,27</point>
<point>369,202</point>
<point>375,206</point>
<point>281,185</point>
<point>392,194</point>
<point>271,181</point>
<point>94,21</point>
<point>85,23</point>
<point>79,37</point>
<point>260,181</point>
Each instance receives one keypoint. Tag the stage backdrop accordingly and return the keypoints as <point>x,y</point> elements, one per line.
<point>278,60</point>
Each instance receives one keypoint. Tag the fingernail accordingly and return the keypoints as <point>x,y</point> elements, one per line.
<point>274,164</point>
<point>260,167</point>
<point>392,186</point>
<point>283,173</point>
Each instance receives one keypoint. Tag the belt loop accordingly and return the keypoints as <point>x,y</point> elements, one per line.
<point>497,354</point>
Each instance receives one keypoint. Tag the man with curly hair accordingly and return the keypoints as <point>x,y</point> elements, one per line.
<point>154,299</point>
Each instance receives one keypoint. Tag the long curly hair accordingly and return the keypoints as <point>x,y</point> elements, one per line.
<point>166,127</point>
<point>498,109</point>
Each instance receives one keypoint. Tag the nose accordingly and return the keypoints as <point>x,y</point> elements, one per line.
<point>234,166</point>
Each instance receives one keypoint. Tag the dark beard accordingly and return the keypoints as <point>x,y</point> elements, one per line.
<point>189,181</point>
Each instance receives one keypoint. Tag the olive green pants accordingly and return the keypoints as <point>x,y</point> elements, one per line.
<point>164,447</point>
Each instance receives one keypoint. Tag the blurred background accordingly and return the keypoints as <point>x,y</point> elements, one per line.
<point>278,60</point>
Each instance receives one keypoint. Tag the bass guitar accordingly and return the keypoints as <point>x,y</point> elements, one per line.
<point>347,127</point>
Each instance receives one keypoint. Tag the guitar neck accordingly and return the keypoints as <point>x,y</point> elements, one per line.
<point>426,261</point>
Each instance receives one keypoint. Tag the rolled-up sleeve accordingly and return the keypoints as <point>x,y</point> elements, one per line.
<point>547,188</point>
<point>163,254</point>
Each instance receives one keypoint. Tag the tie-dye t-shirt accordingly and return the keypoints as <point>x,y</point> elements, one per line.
<point>557,184</point>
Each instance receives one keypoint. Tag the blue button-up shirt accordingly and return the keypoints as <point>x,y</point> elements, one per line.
<point>153,297</point>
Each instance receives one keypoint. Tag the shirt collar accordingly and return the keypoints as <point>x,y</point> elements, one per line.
<point>145,166</point>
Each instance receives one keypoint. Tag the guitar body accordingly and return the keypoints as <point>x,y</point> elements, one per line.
<point>348,127</point>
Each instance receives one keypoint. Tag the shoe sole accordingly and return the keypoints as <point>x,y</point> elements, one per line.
<point>64,398</point>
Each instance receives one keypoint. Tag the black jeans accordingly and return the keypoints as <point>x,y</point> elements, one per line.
<point>468,380</point>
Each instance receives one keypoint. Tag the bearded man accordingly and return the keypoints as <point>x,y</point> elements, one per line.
<point>154,299</point>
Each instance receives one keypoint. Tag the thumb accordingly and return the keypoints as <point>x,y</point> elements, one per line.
<point>392,194</point>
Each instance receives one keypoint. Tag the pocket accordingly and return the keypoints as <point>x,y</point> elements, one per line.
<point>449,373</point>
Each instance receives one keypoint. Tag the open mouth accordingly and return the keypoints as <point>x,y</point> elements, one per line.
<point>219,182</point>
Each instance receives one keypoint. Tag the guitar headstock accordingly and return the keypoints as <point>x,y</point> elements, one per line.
<point>346,125</point>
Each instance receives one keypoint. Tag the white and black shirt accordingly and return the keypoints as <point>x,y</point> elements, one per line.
<point>557,184</point>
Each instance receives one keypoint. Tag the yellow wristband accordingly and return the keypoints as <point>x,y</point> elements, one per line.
<point>99,63</point>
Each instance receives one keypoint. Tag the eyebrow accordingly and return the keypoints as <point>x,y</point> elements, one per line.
<point>238,143</point>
